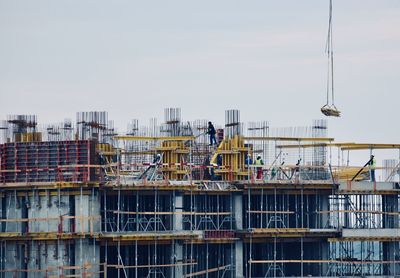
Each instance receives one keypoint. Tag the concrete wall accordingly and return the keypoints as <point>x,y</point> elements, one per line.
<point>44,208</point>
<point>368,186</point>
<point>87,206</point>
<point>87,253</point>
<point>12,258</point>
<point>48,255</point>
<point>12,209</point>
<point>373,233</point>
<point>44,258</point>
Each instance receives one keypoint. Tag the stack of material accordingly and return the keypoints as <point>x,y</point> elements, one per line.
<point>330,111</point>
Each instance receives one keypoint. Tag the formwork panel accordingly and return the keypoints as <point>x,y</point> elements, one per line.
<point>47,161</point>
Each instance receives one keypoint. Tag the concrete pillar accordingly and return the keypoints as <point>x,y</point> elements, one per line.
<point>177,258</point>
<point>177,225</point>
<point>3,214</point>
<point>325,224</point>
<point>238,210</point>
<point>324,251</point>
<point>12,209</point>
<point>391,252</point>
<point>239,259</point>
<point>238,214</point>
<point>346,222</point>
<point>13,258</point>
<point>87,212</point>
<point>390,203</point>
<point>178,208</point>
<point>87,253</point>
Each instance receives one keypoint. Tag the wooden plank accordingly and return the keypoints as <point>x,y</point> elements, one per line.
<point>358,211</point>
<point>37,219</point>
<point>280,230</point>
<point>295,139</point>
<point>270,212</point>
<point>150,265</point>
<point>170,213</point>
<point>210,270</point>
<point>151,138</point>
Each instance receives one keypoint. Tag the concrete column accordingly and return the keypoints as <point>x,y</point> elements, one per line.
<point>324,216</point>
<point>238,214</point>
<point>391,252</point>
<point>177,248</point>
<point>238,210</point>
<point>177,258</point>
<point>13,257</point>
<point>177,207</point>
<point>87,206</point>
<point>12,210</point>
<point>390,203</point>
<point>87,253</point>
<point>3,214</point>
<point>324,256</point>
<point>239,259</point>
<point>346,223</point>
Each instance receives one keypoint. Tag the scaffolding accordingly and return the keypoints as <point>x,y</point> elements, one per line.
<point>81,200</point>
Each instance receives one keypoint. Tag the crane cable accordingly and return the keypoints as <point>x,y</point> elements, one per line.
<point>329,51</point>
<point>330,109</point>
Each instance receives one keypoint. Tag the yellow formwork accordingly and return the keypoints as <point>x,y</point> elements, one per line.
<point>233,152</point>
<point>28,137</point>
<point>174,154</point>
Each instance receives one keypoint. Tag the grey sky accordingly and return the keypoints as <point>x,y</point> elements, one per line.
<point>266,58</point>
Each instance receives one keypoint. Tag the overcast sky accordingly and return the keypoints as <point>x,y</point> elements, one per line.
<point>266,58</point>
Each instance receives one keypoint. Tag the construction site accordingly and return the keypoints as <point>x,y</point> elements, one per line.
<point>79,199</point>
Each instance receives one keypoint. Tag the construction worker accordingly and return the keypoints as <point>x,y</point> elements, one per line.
<point>372,164</point>
<point>273,173</point>
<point>219,160</point>
<point>247,164</point>
<point>213,166</point>
<point>156,158</point>
<point>211,131</point>
<point>206,165</point>
<point>248,161</point>
<point>296,169</point>
<point>259,164</point>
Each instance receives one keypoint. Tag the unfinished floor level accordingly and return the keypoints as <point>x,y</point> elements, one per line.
<point>79,199</point>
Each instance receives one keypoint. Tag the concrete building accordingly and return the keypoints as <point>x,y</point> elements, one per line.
<point>80,200</point>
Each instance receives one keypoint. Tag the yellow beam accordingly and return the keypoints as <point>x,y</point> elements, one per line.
<point>295,139</point>
<point>367,146</point>
<point>150,138</point>
<point>343,146</point>
<point>340,145</point>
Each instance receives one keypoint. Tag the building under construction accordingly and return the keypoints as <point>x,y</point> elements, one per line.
<point>79,199</point>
